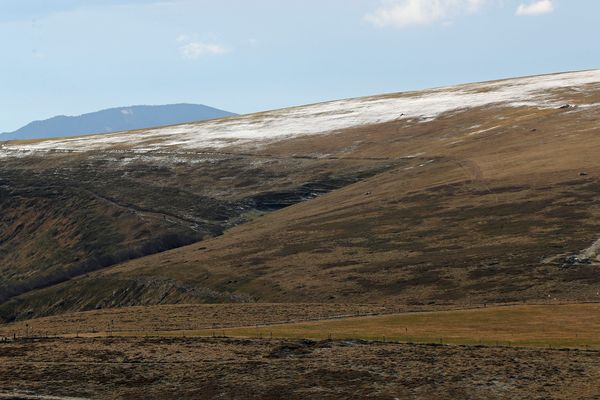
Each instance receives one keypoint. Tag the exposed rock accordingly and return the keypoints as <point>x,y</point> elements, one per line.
<point>571,261</point>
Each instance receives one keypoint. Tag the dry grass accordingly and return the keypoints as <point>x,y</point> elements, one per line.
<point>551,325</point>
<point>543,325</point>
<point>202,368</point>
<point>569,325</point>
<point>188,317</point>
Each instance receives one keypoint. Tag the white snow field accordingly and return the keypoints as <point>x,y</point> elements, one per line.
<point>255,129</point>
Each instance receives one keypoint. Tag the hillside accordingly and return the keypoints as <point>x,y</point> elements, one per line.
<point>115,119</point>
<point>479,193</point>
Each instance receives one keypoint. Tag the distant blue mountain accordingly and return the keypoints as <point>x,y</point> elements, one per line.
<point>115,119</point>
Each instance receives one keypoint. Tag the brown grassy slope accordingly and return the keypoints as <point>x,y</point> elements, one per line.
<point>63,215</point>
<point>484,213</point>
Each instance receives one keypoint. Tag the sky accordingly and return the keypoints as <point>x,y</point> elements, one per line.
<point>68,57</point>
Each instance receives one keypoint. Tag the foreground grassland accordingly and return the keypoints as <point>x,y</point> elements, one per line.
<point>541,325</point>
<point>549,325</point>
<point>508,352</point>
<point>571,325</point>
<point>216,368</point>
<point>188,317</point>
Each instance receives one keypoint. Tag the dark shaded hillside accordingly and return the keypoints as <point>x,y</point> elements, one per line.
<point>62,216</point>
<point>115,119</point>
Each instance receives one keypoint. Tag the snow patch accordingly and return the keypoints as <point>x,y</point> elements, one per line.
<point>260,128</point>
<point>484,130</point>
<point>592,252</point>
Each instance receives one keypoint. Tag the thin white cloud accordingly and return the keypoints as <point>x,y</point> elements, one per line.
<point>538,7</point>
<point>194,50</point>
<point>407,13</point>
<point>191,48</point>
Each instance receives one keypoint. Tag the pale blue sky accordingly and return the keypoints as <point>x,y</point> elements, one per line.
<point>76,56</point>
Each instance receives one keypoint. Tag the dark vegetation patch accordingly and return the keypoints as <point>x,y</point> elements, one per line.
<point>66,216</point>
<point>273,201</point>
<point>501,190</point>
<point>506,227</point>
<point>585,274</point>
<point>295,349</point>
<point>340,264</point>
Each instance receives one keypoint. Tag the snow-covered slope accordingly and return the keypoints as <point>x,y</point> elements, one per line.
<point>546,91</point>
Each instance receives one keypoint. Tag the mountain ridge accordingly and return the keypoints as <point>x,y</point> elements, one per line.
<point>115,119</point>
